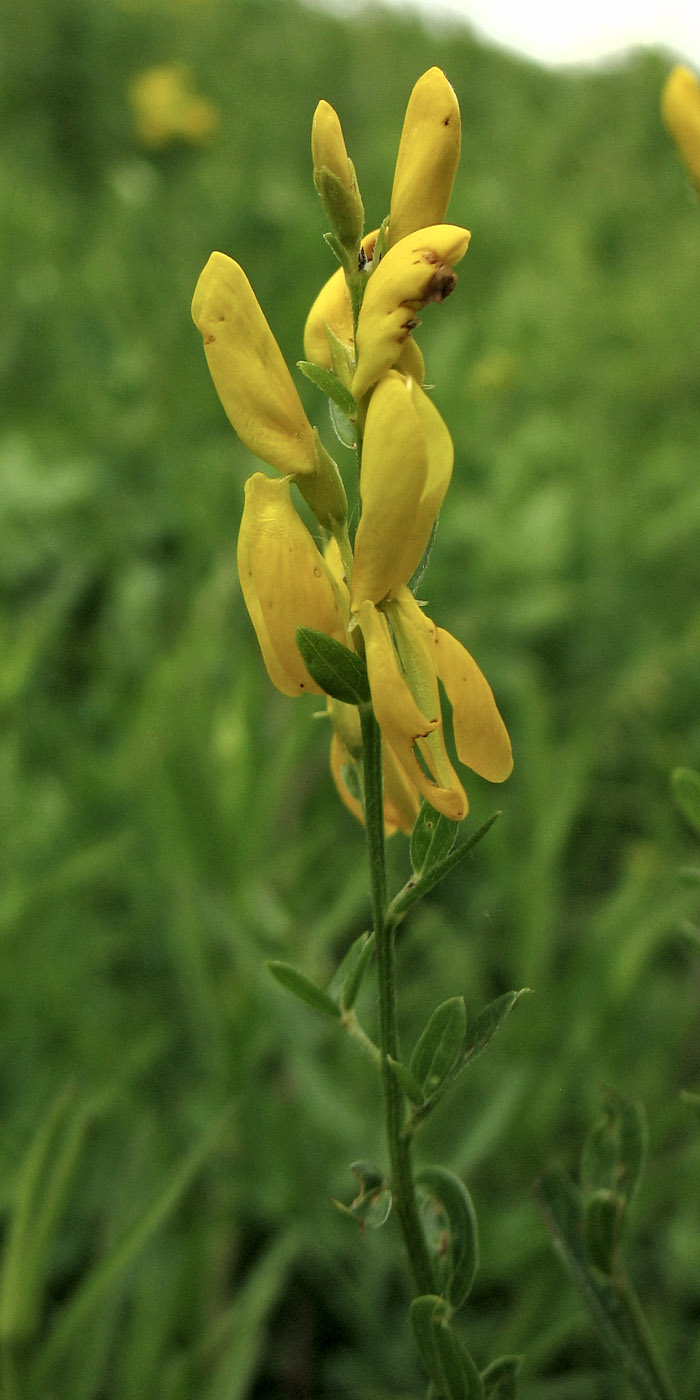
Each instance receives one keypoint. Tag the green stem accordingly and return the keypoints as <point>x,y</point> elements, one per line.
<point>402,1184</point>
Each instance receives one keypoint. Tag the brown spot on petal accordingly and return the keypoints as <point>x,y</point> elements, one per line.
<point>441,284</point>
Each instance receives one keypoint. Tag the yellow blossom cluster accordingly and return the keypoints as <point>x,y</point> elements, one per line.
<point>360,335</point>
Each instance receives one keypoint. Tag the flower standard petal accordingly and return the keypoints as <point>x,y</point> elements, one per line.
<point>428,156</point>
<point>680,108</point>
<point>414,272</point>
<point>481,737</point>
<point>249,371</point>
<point>285,582</point>
<point>394,473</point>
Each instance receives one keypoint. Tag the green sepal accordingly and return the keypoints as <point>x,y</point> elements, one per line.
<point>499,1379</point>
<point>338,671</point>
<point>449,1220</point>
<point>337,249</point>
<point>344,208</point>
<point>447,1362</point>
<point>329,384</point>
<point>347,979</point>
<point>439,1046</point>
<point>372,1205</point>
<point>432,838</point>
<point>380,243</point>
<point>603,1226</point>
<point>342,358</point>
<point>301,987</point>
<point>686,786</point>
<point>613,1154</point>
<point>411,1088</point>
<point>343,427</point>
<point>417,887</point>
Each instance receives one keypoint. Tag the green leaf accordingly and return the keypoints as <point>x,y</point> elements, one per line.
<point>100,1280</point>
<point>43,1182</point>
<point>425,1313</point>
<point>614,1151</point>
<point>432,838</point>
<point>411,1088</point>
<point>447,1362</point>
<point>347,979</point>
<point>330,384</point>
<point>499,1379</point>
<point>686,785</point>
<point>603,1226</point>
<point>489,1021</point>
<point>300,986</point>
<point>612,1304</point>
<point>418,887</point>
<point>338,671</point>
<point>439,1045</point>
<point>450,1224</point>
<point>343,427</point>
<point>372,1205</point>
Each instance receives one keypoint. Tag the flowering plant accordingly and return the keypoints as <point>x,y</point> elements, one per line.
<point>336,614</point>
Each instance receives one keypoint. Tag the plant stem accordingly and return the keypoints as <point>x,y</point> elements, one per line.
<point>402,1185</point>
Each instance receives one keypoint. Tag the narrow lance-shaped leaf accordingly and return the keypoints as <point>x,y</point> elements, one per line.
<point>416,888</point>
<point>432,838</point>
<point>439,1045</point>
<point>340,672</point>
<point>303,988</point>
<point>329,384</point>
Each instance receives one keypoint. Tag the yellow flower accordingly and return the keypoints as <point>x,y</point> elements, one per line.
<point>332,308</point>
<point>414,272</point>
<point>249,371</point>
<point>401,796</point>
<point>285,582</point>
<point>680,108</point>
<point>167,111</point>
<point>407,462</point>
<point>428,157</point>
<point>406,656</point>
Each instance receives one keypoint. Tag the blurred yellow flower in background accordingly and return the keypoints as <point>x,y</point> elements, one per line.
<point>166,111</point>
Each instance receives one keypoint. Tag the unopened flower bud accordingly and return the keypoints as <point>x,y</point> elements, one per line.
<point>680,108</point>
<point>334,177</point>
<point>428,157</point>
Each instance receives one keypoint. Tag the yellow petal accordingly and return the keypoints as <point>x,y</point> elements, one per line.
<point>428,156</point>
<point>407,462</point>
<point>481,737</point>
<point>248,369</point>
<point>394,474</point>
<point>680,108</point>
<point>414,272</point>
<point>332,308</point>
<point>284,581</point>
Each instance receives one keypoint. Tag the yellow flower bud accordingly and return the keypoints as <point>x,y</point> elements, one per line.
<point>416,271</point>
<point>680,108</point>
<point>249,371</point>
<point>332,308</point>
<point>334,176</point>
<point>428,157</point>
<point>328,145</point>
<point>285,582</point>
<point>407,462</point>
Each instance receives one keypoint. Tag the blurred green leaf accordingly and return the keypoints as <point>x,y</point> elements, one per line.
<point>303,988</point>
<point>686,785</point>
<point>500,1378</point>
<point>450,1225</point>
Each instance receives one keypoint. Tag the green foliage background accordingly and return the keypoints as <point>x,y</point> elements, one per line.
<point>172,1125</point>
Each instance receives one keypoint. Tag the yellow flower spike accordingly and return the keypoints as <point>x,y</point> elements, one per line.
<point>334,176</point>
<point>416,271</point>
<point>481,738</point>
<point>406,466</point>
<point>428,156</point>
<point>332,308</point>
<point>285,582</point>
<point>680,109</point>
<point>249,371</point>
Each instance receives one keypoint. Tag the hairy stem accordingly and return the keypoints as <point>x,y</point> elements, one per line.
<point>402,1184</point>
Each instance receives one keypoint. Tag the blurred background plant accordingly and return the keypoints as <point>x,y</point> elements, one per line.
<point>171,1128</point>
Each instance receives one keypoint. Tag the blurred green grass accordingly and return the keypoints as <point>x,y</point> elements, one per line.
<point>167,820</point>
